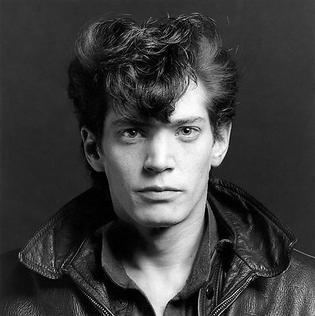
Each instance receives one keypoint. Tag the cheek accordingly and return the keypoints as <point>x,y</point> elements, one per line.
<point>198,162</point>
<point>203,167</point>
<point>120,167</point>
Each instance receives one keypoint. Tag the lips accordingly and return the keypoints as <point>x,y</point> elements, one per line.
<point>159,193</point>
<point>156,188</point>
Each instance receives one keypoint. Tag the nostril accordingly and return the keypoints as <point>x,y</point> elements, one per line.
<point>154,168</point>
<point>159,155</point>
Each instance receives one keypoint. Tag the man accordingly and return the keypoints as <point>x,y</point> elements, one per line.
<point>155,235</point>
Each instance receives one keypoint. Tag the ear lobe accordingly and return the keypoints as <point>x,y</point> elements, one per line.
<point>91,150</point>
<point>221,146</point>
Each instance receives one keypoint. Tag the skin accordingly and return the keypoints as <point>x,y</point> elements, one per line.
<point>173,158</point>
<point>158,178</point>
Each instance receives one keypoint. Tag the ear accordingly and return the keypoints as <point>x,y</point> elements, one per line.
<point>91,150</point>
<point>221,145</point>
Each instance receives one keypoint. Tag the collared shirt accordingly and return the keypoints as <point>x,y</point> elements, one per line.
<point>128,299</point>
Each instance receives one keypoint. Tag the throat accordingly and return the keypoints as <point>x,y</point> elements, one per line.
<point>160,266</point>
<point>159,287</point>
<point>159,260</point>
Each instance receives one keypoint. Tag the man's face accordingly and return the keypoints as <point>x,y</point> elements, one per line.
<point>158,172</point>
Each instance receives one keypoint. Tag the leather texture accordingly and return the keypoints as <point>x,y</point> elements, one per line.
<point>255,270</point>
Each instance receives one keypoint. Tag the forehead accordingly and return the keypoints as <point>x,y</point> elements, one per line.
<point>192,104</point>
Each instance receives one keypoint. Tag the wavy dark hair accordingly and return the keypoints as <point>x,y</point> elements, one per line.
<point>143,69</point>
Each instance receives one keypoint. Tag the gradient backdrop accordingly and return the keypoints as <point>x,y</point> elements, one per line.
<point>273,143</point>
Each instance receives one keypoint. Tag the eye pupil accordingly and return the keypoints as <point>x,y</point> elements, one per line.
<point>186,130</point>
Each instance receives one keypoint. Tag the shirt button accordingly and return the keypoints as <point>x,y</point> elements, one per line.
<point>209,292</point>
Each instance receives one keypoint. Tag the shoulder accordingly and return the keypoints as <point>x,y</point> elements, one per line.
<point>302,268</point>
<point>298,281</point>
<point>25,292</point>
<point>12,273</point>
<point>15,278</point>
<point>15,286</point>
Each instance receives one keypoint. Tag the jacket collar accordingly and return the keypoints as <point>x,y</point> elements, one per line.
<point>256,235</point>
<point>258,238</point>
<point>54,245</point>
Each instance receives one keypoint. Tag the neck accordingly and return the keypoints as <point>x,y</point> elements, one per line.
<point>173,246</point>
<point>164,256</point>
<point>164,248</point>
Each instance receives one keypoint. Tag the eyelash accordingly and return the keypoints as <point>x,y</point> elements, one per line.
<point>128,130</point>
<point>191,129</point>
<point>193,133</point>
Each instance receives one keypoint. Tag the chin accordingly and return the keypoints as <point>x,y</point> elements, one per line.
<point>159,223</point>
<point>159,218</point>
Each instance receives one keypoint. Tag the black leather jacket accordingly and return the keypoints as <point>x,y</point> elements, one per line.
<point>255,270</point>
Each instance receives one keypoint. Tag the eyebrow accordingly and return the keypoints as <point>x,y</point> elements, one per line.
<point>188,120</point>
<point>178,122</point>
<point>127,121</point>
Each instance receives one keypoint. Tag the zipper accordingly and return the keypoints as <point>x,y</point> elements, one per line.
<point>199,300</point>
<point>73,274</point>
<point>103,309</point>
<point>228,301</point>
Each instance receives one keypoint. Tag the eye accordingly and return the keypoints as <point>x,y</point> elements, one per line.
<point>188,132</point>
<point>130,133</point>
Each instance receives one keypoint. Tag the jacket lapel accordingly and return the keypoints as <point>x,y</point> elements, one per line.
<point>52,248</point>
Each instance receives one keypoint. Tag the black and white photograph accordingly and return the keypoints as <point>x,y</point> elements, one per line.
<point>157,157</point>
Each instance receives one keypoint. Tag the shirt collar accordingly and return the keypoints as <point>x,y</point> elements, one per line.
<point>201,267</point>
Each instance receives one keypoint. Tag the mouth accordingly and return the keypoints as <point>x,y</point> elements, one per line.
<point>156,188</point>
<point>159,193</point>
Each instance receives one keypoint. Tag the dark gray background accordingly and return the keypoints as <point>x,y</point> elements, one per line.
<point>273,142</point>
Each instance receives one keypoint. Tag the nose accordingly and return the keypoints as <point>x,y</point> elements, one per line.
<point>159,154</point>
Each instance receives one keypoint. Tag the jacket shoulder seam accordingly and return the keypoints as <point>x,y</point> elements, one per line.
<point>304,253</point>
